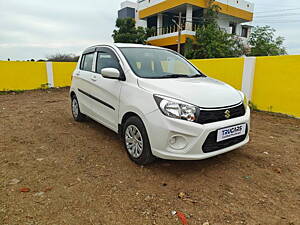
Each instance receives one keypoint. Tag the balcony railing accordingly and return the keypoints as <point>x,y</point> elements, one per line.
<point>172,29</point>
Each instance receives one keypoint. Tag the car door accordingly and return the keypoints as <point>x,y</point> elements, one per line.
<point>82,80</point>
<point>105,90</point>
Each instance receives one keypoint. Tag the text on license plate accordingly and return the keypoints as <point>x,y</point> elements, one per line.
<point>231,132</point>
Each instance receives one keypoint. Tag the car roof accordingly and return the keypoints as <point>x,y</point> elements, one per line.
<point>128,45</point>
<point>120,45</point>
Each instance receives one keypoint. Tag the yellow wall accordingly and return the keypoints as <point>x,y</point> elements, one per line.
<point>22,75</point>
<point>228,70</point>
<point>276,86</point>
<point>62,73</point>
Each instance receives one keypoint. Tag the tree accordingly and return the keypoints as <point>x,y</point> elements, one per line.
<point>127,32</point>
<point>211,41</point>
<point>59,57</point>
<point>211,14</point>
<point>264,43</point>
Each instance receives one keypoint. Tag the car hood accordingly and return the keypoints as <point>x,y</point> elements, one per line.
<point>203,91</point>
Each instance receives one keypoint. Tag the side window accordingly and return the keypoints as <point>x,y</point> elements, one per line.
<point>106,59</point>
<point>87,62</point>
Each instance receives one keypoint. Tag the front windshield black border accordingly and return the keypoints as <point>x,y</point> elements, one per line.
<point>166,49</point>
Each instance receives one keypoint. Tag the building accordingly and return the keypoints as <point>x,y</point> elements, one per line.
<point>164,14</point>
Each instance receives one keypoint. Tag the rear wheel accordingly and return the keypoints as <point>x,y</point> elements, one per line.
<point>136,141</point>
<point>77,115</point>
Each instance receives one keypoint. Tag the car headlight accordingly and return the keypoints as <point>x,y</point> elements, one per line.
<point>177,109</point>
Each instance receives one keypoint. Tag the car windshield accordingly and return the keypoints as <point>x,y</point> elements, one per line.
<point>158,63</point>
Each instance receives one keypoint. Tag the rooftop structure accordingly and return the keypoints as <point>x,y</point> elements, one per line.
<point>162,14</point>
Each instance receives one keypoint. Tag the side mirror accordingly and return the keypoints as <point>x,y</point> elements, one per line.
<point>110,73</point>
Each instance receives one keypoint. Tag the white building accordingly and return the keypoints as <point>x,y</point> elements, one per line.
<point>161,13</point>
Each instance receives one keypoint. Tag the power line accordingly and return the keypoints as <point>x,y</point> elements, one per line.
<point>279,15</point>
<point>277,19</point>
<point>280,10</point>
<point>278,22</point>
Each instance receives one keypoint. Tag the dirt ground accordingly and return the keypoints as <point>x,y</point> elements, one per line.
<point>79,173</point>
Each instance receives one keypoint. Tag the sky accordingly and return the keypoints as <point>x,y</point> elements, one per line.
<point>39,28</point>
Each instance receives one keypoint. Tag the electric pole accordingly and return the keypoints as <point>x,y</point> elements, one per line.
<point>179,33</point>
<point>179,26</point>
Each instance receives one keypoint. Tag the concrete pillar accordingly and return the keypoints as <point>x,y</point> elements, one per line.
<point>189,17</point>
<point>248,76</point>
<point>50,78</point>
<point>159,24</point>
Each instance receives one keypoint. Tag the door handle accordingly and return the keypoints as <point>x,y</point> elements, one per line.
<point>94,78</point>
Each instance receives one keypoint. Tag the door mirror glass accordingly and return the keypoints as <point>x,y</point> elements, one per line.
<point>110,73</point>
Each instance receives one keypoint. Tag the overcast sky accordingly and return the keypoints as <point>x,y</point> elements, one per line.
<point>37,28</point>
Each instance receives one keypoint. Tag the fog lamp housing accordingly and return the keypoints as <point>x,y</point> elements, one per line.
<point>177,142</point>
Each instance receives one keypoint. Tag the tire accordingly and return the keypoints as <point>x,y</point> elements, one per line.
<point>77,115</point>
<point>136,141</point>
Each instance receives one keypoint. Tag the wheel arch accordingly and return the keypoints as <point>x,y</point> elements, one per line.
<point>72,94</point>
<point>124,118</point>
<point>148,156</point>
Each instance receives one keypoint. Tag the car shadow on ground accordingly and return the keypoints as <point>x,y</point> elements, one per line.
<point>173,166</point>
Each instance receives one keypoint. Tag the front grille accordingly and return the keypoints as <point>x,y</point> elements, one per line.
<point>211,144</point>
<point>210,116</point>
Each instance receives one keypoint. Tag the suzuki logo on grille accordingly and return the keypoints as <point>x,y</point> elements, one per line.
<point>227,114</point>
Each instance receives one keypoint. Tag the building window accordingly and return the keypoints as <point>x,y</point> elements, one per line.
<point>126,13</point>
<point>233,28</point>
<point>244,32</point>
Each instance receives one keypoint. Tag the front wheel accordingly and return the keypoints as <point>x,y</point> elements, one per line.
<point>136,141</point>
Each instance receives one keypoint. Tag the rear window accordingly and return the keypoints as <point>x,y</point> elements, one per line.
<point>87,62</point>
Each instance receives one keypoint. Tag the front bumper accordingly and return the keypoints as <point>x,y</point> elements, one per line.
<point>161,128</point>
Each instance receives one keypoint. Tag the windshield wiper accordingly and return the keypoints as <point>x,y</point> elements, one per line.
<point>174,76</point>
<point>178,76</point>
<point>197,75</point>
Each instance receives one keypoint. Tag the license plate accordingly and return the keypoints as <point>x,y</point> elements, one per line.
<point>231,132</point>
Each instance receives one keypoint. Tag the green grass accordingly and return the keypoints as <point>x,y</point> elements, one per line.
<point>253,106</point>
<point>11,92</point>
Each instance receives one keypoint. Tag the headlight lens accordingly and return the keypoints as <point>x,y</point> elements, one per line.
<point>176,109</point>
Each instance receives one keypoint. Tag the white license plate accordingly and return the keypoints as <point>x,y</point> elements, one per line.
<point>231,132</point>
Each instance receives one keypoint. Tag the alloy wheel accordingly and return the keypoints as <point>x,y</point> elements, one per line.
<point>75,107</point>
<point>134,141</point>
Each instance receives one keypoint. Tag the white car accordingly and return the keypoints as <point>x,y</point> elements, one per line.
<point>160,104</point>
